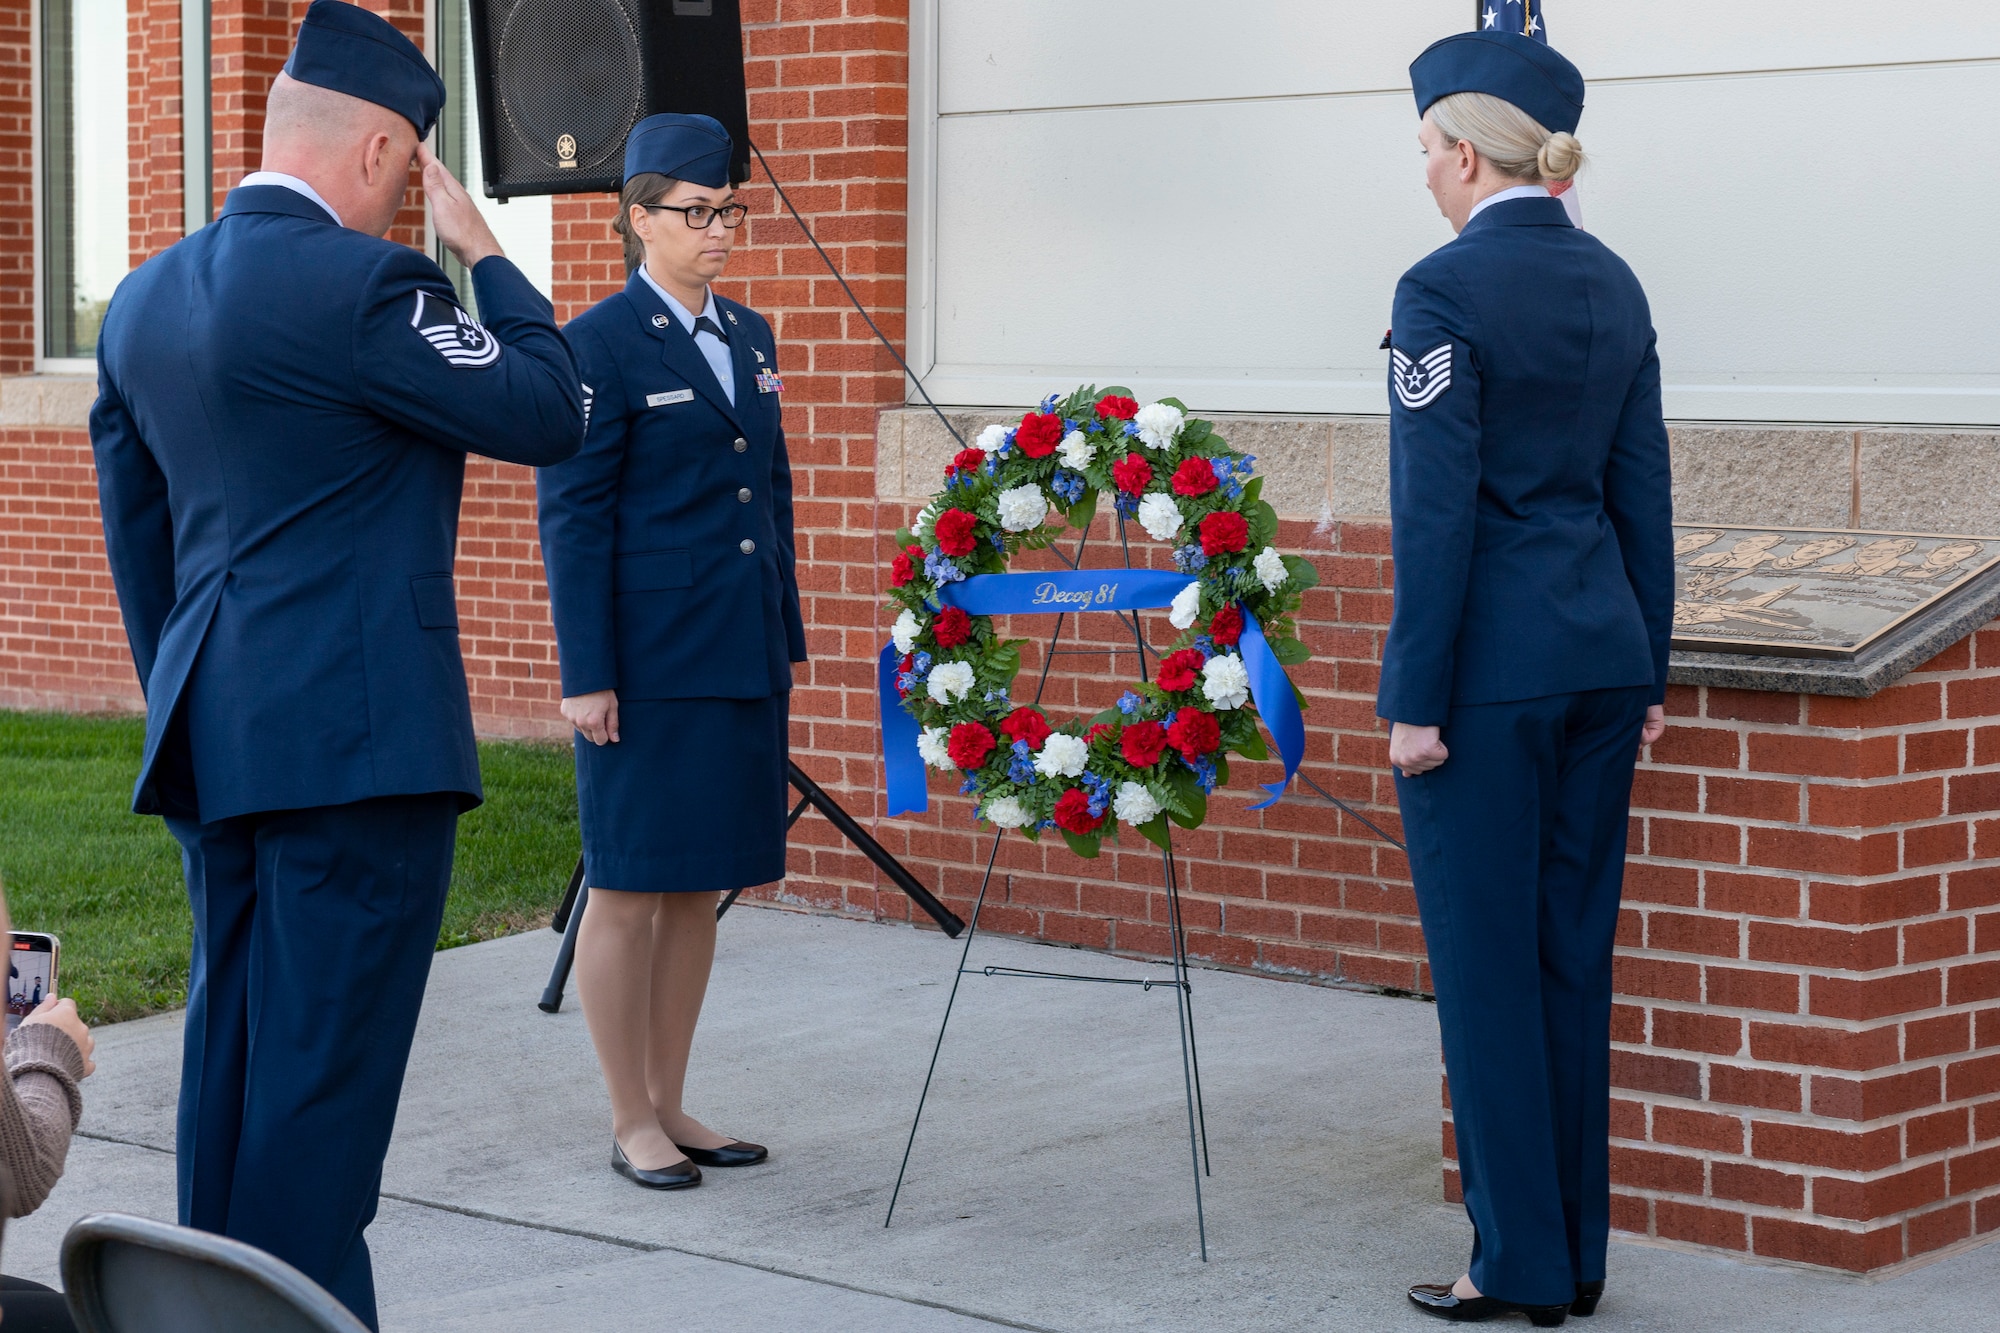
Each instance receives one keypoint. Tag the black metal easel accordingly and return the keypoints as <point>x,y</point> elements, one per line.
<point>1179,981</point>
<point>569,916</point>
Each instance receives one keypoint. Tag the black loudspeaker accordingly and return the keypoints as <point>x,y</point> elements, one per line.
<point>560,83</point>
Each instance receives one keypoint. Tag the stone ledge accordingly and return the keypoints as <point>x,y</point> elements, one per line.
<point>1882,477</point>
<point>47,400</point>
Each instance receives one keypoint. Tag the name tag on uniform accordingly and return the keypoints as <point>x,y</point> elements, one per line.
<point>769,383</point>
<point>663,399</point>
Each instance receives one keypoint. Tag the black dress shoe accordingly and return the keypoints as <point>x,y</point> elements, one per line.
<point>679,1176</point>
<point>1588,1294</point>
<point>1441,1301</point>
<point>729,1154</point>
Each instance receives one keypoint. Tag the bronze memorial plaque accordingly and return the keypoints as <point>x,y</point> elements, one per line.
<point>1811,592</point>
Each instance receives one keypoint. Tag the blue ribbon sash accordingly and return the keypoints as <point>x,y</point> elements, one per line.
<point>1081,590</point>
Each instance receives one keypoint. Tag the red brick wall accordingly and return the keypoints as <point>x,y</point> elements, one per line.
<point>17,191</point>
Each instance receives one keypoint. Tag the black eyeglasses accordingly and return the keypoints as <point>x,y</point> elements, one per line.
<point>700,215</point>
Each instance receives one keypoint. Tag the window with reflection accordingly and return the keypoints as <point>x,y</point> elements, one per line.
<point>85,194</point>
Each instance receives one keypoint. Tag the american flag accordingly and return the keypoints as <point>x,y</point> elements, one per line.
<point>1525,17</point>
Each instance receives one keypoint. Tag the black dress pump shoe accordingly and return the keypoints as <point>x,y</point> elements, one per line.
<point>679,1176</point>
<point>1440,1300</point>
<point>1588,1294</point>
<point>738,1153</point>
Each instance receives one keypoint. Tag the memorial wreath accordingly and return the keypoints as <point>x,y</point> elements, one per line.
<point>947,679</point>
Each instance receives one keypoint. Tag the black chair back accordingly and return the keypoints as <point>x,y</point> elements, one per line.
<point>133,1275</point>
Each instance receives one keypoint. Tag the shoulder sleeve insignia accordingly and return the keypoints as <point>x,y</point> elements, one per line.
<point>456,335</point>
<point>1421,382</point>
<point>589,397</point>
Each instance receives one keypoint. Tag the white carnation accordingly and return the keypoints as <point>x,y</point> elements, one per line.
<point>1077,451</point>
<point>923,523</point>
<point>1186,606</point>
<point>1062,757</point>
<point>905,631</point>
<point>1008,812</point>
<point>931,746</point>
<point>1270,569</point>
<point>950,681</point>
<point>1224,682</point>
<point>1158,424</point>
<point>993,439</point>
<point>1160,516</point>
<point>1023,507</point>
<point>1135,805</point>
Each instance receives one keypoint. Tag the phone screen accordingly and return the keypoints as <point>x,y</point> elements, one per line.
<point>31,974</point>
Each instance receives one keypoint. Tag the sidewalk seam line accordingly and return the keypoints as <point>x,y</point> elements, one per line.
<point>640,1246</point>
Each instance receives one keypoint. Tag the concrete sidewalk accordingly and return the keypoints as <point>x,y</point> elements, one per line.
<point>1050,1187</point>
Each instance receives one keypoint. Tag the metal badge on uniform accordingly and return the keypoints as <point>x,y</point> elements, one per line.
<point>676,396</point>
<point>759,355</point>
<point>731,314</point>
<point>457,336</point>
<point>659,321</point>
<point>769,383</point>
<point>1421,382</point>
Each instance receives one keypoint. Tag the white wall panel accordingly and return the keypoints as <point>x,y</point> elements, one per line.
<point>1814,241</point>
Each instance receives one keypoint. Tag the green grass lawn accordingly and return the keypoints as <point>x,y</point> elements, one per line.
<point>77,862</point>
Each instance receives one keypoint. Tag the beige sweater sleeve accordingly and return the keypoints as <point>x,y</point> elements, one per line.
<point>39,1109</point>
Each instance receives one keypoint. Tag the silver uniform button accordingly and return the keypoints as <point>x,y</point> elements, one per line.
<point>744,495</point>
<point>747,546</point>
<point>740,445</point>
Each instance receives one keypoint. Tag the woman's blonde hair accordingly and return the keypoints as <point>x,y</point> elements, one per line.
<point>1515,142</point>
<point>648,187</point>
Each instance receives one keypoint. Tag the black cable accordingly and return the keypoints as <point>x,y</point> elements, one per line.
<point>842,280</point>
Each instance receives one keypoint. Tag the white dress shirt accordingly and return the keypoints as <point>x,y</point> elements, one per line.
<point>292,183</point>
<point>713,348</point>
<point>1515,192</point>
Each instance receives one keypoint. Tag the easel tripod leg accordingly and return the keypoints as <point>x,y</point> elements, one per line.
<point>552,994</point>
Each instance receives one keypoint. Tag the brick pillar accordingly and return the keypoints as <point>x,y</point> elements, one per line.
<point>17,190</point>
<point>1806,1047</point>
<point>155,133</point>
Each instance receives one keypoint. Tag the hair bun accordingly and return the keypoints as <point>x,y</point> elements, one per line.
<point>1561,157</point>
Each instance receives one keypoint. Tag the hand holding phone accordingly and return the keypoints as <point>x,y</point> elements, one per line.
<point>62,1016</point>
<point>31,973</point>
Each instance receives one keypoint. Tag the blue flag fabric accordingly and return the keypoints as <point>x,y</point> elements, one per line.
<point>1080,590</point>
<point>1522,16</point>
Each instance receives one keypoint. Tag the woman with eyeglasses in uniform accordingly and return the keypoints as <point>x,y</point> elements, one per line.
<point>668,544</point>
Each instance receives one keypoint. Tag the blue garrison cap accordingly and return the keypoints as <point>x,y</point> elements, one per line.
<point>350,50</point>
<point>1505,65</point>
<point>688,148</point>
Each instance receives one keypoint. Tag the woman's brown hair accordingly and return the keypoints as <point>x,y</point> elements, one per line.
<point>648,187</point>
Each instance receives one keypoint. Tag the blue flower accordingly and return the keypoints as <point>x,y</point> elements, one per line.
<point>1204,772</point>
<point>1099,788</point>
<point>905,682</point>
<point>1069,485</point>
<point>1049,405</point>
<point>922,664</point>
<point>939,569</point>
<point>1131,428</point>
<point>965,787</point>
<point>1070,424</point>
<point>1021,768</point>
<point>1128,505</point>
<point>1129,703</point>
<point>1205,646</point>
<point>999,542</point>
<point>991,695</point>
<point>1189,559</point>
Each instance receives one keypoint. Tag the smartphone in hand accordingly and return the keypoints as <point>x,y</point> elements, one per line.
<point>31,972</point>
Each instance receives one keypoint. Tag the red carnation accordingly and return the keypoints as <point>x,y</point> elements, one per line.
<point>1025,724</point>
<point>1143,744</point>
<point>903,682</point>
<point>1133,474</point>
<point>951,628</point>
<point>1181,670</point>
<point>1195,476</point>
<point>1224,533</point>
<point>966,460</point>
<point>906,564</point>
<point>1073,813</point>
<point>954,532</point>
<point>1039,435</point>
<point>1101,729</point>
<point>969,744</point>
<point>1194,733</point>
<point>1227,627</point>
<point>1116,408</point>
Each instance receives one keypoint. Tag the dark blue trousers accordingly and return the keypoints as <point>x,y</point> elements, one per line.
<point>313,935</point>
<point>1517,847</point>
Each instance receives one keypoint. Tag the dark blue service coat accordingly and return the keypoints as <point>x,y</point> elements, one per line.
<point>1528,472</point>
<point>668,539</point>
<point>284,410</point>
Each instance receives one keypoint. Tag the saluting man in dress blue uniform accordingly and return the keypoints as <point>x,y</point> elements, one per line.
<point>285,404</point>
<point>668,542</point>
<point>1527,656</point>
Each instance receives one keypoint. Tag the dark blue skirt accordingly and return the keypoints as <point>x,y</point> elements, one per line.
<point>692,799</point>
